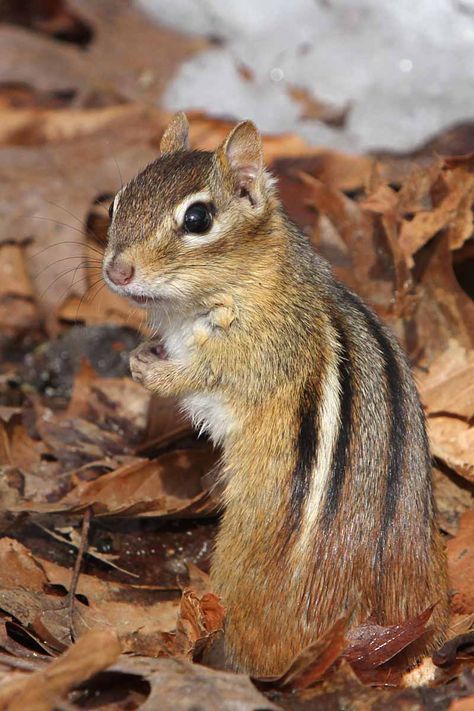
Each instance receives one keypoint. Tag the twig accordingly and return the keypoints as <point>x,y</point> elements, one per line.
<point>446,655</point>
<point>23,664</point>
<point>77,570</point>
<point>92,553</point>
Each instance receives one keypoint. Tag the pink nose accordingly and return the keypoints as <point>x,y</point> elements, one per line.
<point>120,273</point>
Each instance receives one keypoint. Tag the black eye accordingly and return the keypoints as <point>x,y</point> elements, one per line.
<point>197,219</point>
<point>111,209</point>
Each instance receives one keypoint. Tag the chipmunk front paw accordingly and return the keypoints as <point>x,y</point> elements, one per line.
<point>146,361</point>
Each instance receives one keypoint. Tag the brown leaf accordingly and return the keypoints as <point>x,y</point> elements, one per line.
<point>166,486</point>
<point>179,685</point>
<point>129,56</point>
<point>157,487</point>
<point>109,402</point>
<point>448,385</point>
<point>18,567</point>
<point>311,108</point>
<point>442,309</point>
<point>461,565</point>
<point>200,618</point>
<point>371,645</point>
<point>453,212</point>
<point>18,312</point>
<point>139,617</point>
<point>30,592</point>
<point>312,663</point>
<point>52,187</point>
<point>42,690</point>
<point>453,497</point>
<point>452,441</point>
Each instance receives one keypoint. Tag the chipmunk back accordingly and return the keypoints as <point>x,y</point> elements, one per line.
<point>328,502</point>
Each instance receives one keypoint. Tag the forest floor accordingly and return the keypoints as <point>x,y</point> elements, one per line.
<point>106,519</point>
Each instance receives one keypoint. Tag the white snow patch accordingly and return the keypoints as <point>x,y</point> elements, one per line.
<point>405,69</point>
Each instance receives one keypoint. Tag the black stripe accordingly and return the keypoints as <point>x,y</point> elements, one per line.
<point>305,452</point>
<point>398,418</point>
<point>341,449</point>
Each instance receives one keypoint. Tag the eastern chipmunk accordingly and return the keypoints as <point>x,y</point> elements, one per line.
<point>327,472</point>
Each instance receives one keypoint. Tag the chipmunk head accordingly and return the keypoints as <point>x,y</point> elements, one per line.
<point>187,223</point>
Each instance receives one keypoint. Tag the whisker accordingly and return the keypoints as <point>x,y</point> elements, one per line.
<point>118,170</point>
<point>64,209</point>
<point>85,294</point>
<point>63,259</point>
<point>60,276</point>
<point>85,231</point>
<point>81,232</point>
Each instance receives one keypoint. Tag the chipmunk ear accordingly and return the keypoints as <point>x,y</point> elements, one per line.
<point>175,137</point>
<point>242,150</point>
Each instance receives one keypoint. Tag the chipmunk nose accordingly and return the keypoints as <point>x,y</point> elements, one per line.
<point>120,273</point>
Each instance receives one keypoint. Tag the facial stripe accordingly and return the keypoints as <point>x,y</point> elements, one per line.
<point>340,458</point>
<point>397,434</point>
<point>117,199</point>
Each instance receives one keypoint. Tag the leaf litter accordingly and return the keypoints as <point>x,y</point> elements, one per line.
<point>79,437</point>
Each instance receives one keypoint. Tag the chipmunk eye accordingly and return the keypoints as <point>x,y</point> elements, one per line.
<point>111,209</point>
<point>197,219</point>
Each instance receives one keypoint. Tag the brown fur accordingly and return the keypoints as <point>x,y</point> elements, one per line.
<point>309,382</point>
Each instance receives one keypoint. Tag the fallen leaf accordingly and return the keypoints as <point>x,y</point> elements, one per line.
<point>169,485</point>
<point>129,56</point>
<point>453,213</point>
<point>448,385</point>
<point>452,441</point>
<point>178,685</point>
<point>200,618</point>
<point>312,663</point>
<point>42,690</point>
<point>461,565</point>
<point>371,645</point>
<point>110,402</point>
<point>18,312</point>
<point>453,497</point>
<point>18,567</point>
<point>33,591</point>
<point>441,310</point>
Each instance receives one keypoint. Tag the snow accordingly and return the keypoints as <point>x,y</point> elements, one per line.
<point>404,70</point>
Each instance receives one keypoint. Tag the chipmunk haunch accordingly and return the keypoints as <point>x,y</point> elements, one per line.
<point>328,505</point>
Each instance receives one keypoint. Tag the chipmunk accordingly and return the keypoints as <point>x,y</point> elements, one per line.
<point>328,504</point>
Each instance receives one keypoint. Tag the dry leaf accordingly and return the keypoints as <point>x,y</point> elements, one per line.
<point>34,593</point>
<point>448,385</point>
<point>200,618</point>
<point>128,56</point>
<point>166,486</point>
<point>41,691</point>
<point>453,497</point>
<point>452,441</point>
<point>179,685</point>
<point>371,645</point>
<point>461,565</point>
<point>312,663</point>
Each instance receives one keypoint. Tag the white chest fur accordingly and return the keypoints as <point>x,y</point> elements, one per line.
<point>208,411</point>
<point>211,414</point>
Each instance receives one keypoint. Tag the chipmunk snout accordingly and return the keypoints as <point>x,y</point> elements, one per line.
<point>119,272</point>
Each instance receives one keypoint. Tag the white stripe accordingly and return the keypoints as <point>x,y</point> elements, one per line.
<point>328,428</point>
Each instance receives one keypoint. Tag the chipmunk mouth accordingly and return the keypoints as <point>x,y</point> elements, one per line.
<point>141,300</point>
